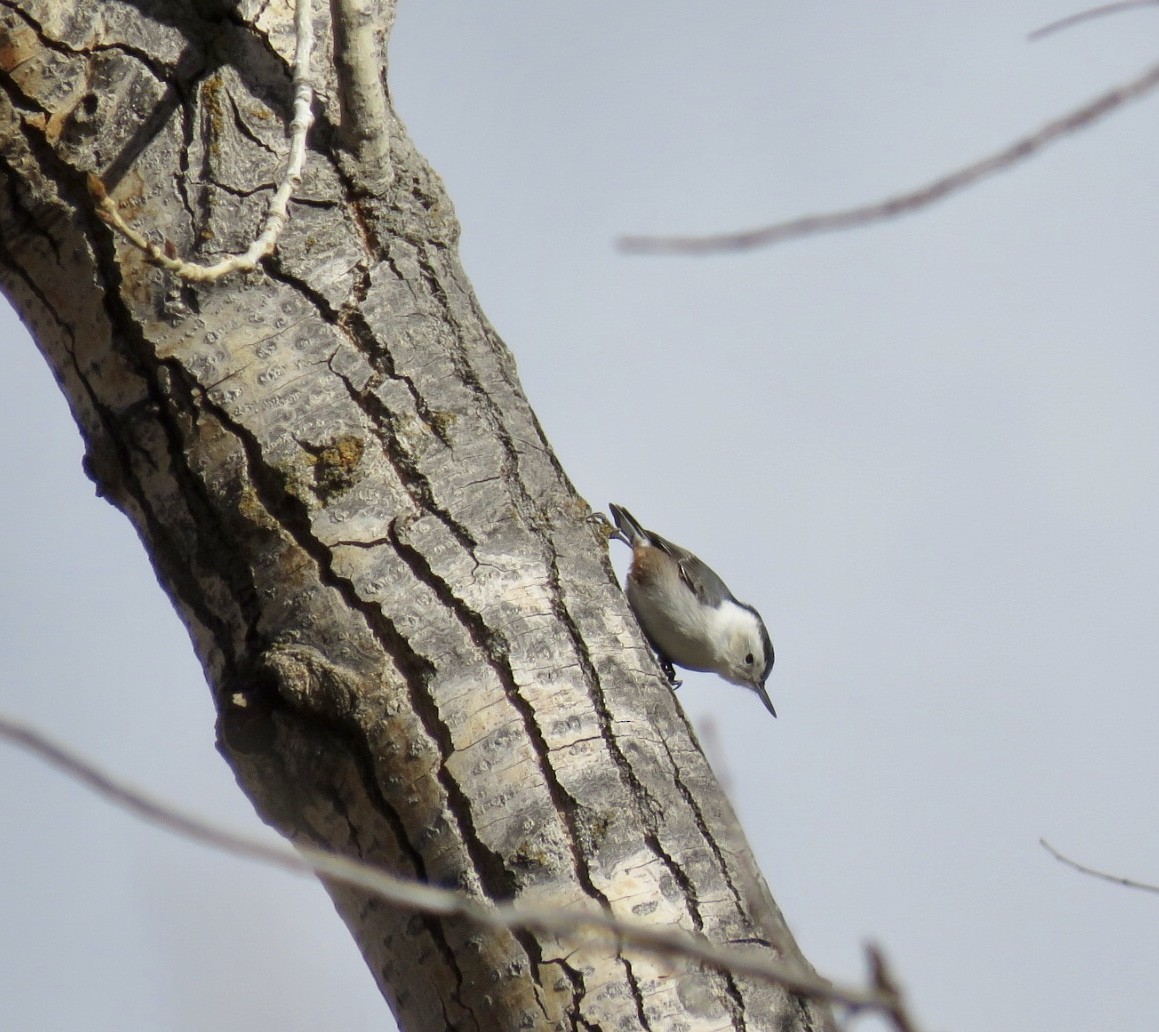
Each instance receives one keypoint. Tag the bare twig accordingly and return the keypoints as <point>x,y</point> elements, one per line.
<point>592,923</point>
<point>278,212</point>
<point>901,204</point>
<point>1083,869</point>
<point>881,977</point>
<point>1082,16</point>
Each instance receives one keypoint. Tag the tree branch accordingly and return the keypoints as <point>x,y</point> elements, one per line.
<point>901,204</point>
<point>358,57</point>
<point>1082,16</point>
<point>1083,869</point>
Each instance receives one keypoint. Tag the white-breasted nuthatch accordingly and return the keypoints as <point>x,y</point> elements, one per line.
<point>688,615</point>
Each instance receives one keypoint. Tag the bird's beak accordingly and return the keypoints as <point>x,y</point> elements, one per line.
<point>763,693</point>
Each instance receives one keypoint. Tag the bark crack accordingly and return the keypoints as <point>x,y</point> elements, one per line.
<point>204,516</point>
<point>359,753</point>
<point>62,47</point>
<point>362,336</point>
<point>493,646</point>
<point>8,260</point>
<point>376,352</point>
<point>634,983</point>
<point>702,826</point>
<point>579,994</point>
<point>292,515</point>
<point>22,101</point>
<point>243,127</point>
<point>188,134</point>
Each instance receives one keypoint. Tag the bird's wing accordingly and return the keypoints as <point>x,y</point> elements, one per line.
<point>703,582</point>
<point>700,578</point>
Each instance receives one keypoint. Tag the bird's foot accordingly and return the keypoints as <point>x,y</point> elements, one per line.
<point>669,672</point>
<point>606,528</point>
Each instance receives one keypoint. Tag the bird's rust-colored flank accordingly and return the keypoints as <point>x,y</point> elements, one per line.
<point>647,564</point>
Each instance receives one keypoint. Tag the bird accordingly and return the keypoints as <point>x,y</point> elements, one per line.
<point>688,615</point>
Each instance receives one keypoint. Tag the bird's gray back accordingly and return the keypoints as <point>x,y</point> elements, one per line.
<point>702,579</point>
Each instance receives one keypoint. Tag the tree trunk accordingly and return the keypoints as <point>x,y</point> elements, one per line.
<point>419,653</point>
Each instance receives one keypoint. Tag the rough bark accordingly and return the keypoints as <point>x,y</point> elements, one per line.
<point>418,651</point>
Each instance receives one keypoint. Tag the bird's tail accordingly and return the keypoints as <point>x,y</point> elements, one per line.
<point>626,524</point>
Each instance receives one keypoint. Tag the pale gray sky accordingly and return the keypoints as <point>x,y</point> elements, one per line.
<point>927,451</point>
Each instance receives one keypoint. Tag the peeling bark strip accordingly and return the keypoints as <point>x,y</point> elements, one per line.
<point>419,654</point>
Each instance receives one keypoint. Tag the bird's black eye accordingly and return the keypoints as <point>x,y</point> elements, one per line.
<point>749,659</point>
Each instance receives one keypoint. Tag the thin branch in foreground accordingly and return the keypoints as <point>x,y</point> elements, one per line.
<point>901,204</point>
<point>1082,16</point>
<point>277,215</point>
<point>1083,869</point>
<point>882,996</point>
